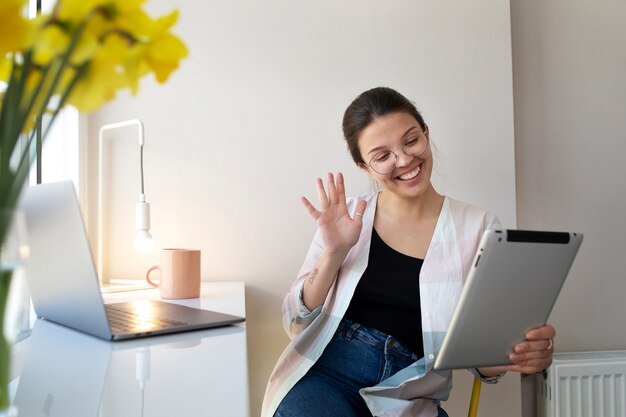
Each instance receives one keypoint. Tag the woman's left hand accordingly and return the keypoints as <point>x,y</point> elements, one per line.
<point>535,353</point>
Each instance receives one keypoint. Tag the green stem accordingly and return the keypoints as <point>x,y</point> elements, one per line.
<point>7,116</point>
<point>31,103</point>
<point>5,347</point>
<point>14,189</point>
<point>65,58</point>
<point>80,72</point>
<point>12,122</point>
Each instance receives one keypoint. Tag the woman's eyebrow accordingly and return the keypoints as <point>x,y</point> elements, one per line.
<point>409,130</point>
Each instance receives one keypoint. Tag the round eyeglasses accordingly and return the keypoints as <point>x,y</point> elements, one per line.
<point>384,162</point>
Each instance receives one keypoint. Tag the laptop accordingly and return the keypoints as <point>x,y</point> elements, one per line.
<point>515,279</point>
<point>64,286</point>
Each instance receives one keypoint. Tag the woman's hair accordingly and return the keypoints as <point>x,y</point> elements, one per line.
<point>366,108</point>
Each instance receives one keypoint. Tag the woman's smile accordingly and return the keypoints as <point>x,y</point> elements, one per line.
<point>408,176</point>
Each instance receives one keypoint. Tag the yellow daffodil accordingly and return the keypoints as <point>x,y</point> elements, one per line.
<point>135,21</point>
<point>161,51</point>
<point>75,11</point>
<point>126,6</point>
<point>50,41</point>
<point>164,54</point>
<point>136,67</point>
<point>164,49</point>
<point>14,28</point>
<point>89,39</point>
<point>105,75</point>
<point>5,69</point>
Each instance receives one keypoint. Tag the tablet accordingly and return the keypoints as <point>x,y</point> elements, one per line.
<point>511,288</point>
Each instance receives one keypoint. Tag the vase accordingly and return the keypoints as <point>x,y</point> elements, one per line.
<point>13,250</point>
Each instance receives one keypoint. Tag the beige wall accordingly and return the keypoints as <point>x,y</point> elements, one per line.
<point>570,97</point>
<point>569,67</point>
<point>254,115</point>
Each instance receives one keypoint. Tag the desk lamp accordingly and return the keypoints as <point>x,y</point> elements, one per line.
<point>143,240</point>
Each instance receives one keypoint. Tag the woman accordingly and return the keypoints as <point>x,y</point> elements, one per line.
<point>373,300</point>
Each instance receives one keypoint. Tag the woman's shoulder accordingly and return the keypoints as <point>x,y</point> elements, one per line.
<point>467,213</point>
<point>462,206</point>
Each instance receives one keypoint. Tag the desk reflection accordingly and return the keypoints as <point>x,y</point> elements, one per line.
<point>70,374</point>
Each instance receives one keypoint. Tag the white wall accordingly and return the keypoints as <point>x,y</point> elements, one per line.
<point>570,96</point>
<point>254,115</point>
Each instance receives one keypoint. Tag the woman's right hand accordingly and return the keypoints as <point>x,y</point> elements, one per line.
<point>339,231</point>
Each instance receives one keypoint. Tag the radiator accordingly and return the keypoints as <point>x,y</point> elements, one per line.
<point>583,384</point>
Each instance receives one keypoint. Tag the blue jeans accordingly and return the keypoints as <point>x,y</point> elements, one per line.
<point>356,357</point>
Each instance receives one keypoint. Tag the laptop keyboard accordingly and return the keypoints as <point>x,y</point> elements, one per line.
<point>126,321</point>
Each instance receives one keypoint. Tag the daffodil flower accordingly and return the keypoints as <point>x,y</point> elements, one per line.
<point>14,28</point>
<point>82,53</point>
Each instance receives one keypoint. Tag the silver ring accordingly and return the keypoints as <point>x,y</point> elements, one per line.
<point>550,345</point>
<point>359,214</point>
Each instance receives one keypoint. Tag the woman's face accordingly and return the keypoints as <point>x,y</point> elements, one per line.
<point>411,175</point>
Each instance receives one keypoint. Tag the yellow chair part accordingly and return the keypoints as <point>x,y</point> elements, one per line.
<point>473,408</point>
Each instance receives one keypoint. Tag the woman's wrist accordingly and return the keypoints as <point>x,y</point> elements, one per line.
<point>321,278</point>
<point>334,255</point>
<point>492,372</point>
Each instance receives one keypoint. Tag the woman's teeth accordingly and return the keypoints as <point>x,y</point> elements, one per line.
<point>410,175</point>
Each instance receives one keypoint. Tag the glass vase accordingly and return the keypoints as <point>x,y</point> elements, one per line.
<point>13,250</point>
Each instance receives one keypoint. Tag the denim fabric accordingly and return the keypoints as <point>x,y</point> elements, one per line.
<point>356,357</point>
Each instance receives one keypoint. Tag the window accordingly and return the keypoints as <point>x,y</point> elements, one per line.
<point>61,147</point>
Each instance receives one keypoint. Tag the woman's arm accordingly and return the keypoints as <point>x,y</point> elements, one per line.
<point>321,278</point>
<point>339,232</point>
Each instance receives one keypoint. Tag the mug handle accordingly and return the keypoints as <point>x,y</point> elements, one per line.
<point>148,276</point>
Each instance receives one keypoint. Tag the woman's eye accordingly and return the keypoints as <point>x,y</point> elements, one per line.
<point>411,142</point>
<point>382,157</point>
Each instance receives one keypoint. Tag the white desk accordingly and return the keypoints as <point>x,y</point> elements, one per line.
<point>64,373</point>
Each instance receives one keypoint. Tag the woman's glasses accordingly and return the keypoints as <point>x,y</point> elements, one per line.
<point>384,162</point>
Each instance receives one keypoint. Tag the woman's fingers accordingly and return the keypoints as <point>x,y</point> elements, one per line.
<point>334,193</point>
<point>544,332</point>
<point>535,345</point>
<point>341,188</point>
<point>321,193</point>
<point>309,207</point>
<point>530,368</point>
<point>531,362</point>
<point>531,355</point>
<point>332,188</point>
<point>535,353</point>
<point>360,209</point>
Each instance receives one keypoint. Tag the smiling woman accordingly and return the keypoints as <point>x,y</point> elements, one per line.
<point>381,280</point>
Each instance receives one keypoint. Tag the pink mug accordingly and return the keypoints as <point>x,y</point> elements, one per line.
<point>180,273</point>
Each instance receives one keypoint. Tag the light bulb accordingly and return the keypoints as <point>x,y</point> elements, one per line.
<point>143,241</point>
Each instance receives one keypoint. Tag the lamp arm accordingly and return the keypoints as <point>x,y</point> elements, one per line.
<point>103,129</point>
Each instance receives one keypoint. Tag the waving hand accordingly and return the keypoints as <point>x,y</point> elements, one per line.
<point>339,231</point>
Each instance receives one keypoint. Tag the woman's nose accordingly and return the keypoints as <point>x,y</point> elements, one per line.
<point>403,159</point>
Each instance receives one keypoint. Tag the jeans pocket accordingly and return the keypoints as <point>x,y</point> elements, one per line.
<point>365,335</point>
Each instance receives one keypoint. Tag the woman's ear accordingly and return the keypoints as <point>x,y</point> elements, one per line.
<point>362,167</point>
<point>426,130</point>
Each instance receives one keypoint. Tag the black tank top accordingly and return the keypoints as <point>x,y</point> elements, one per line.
<point>387,297</point>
